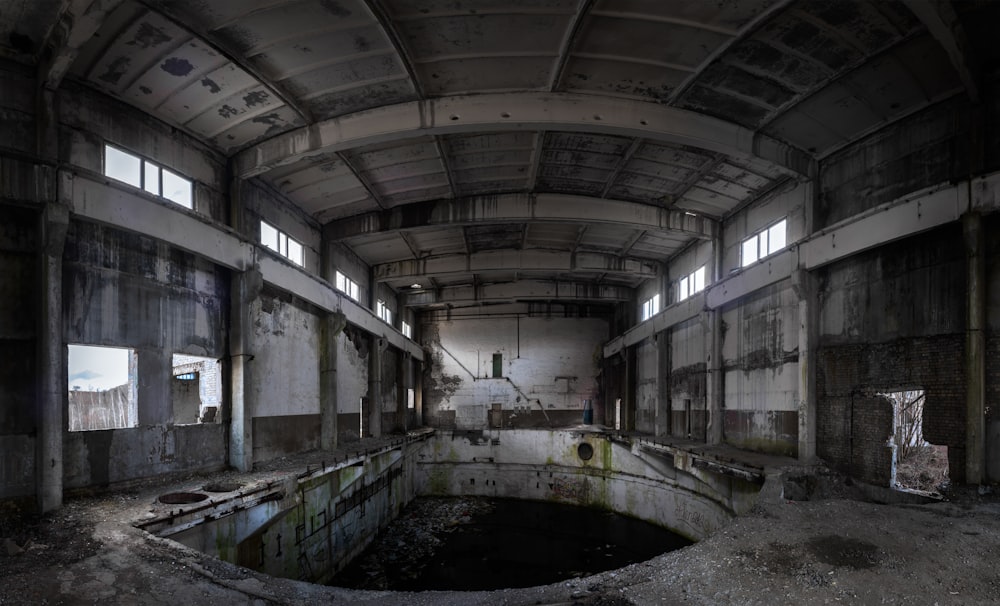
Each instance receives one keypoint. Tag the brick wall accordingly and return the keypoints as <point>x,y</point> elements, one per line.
<point>847,377</point>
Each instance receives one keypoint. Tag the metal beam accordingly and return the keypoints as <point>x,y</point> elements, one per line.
<point>522,111</point>
<point>516,260</point>
<point>523,290</point>
<point>943,23</point>
<point>523,208</point>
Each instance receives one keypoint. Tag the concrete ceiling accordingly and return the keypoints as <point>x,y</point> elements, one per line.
<point>521,148</point>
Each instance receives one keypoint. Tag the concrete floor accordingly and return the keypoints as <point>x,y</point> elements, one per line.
<point>824,551</point>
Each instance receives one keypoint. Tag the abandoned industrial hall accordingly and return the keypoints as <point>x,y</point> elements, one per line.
<point>274,271</point>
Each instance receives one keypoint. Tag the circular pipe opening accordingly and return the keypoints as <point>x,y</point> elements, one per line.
<point>585,451</point>
<point>182,498</point>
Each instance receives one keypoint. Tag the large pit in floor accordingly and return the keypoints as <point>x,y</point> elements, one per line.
<point>479,543</point>
<point>310,525</point>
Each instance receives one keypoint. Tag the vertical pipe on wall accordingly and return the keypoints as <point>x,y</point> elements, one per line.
<point>975,350</point>
<point>245,290</point>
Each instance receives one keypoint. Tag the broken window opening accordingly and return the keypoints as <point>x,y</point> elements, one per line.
<point>102,388</point>
<point>196,389</point>
<point>917,464</point>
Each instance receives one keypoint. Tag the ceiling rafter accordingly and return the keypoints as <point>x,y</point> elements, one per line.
<point>203,33</point>
<point>75,25</point>
<point>447,167</point>
<point>568,43</point>
<point>523,111</point>
<point>535,162</point>
<point>360,176</point>
<point>385,24</point>
<point>622,163</point>
<point>744,32</point>
<point>943,23</point>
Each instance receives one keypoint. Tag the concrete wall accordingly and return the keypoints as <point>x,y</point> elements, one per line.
<point>688,376</point>
<point>18,343</point>
<point>893,318</point>
<point>125,290</point>
<point>547,466</point>
<point>549,367</point>
<point>353,348</point>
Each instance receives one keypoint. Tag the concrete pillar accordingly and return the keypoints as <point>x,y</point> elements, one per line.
<point>332,327</point>
<point>418,393</point>
<point>712,323</point>
<point>629,392</point>
<point>975,350</point>
<point>663,384</point>
<point>245,290</point>
<point>373,423</point>
<point>51,414</point>
<point>805,288</point>
<point>404,374</point>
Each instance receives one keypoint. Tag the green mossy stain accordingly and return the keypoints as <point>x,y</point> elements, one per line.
<point>438,481</point>
<point>605,450</point>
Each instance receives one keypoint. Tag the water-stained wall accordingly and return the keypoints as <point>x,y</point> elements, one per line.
<point>510,371</point>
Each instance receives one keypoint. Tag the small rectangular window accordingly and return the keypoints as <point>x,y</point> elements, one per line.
<point>148,176</point>
<point>102,388</point>
<point>411,399</point>
<point>383,312</point>
<point>650,307</point>
<point>765,242</point>
<point>122,166</point>
<point>406,330</point>
<point>346,285</point>
<point>271,237</point>
<point>497,365</point>
<point>691,284</point>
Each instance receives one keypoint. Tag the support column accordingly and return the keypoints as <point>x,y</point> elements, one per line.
<point>663,384</point>
<point>404,374</point>
<point>628,401</point>
<point>712,323</point>
<point>332,327</point>
<point>975,350</point>
<point>378,346</point>
<point>51,415</point>
<point>245,290</point>
<point>805,288</point>
<point>418,393</point>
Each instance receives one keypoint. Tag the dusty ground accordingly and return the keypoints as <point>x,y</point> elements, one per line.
<point>788,552</point>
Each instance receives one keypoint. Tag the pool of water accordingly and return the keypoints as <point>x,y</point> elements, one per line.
<point>467,544</point>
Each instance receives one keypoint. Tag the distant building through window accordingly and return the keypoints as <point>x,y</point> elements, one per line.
<point>102,388</point>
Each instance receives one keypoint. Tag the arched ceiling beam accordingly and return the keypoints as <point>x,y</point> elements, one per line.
<point>522,290</point>
<point>516,260</point>
<point>522,208</point>
<point>77,23</point>
<point>524,112</point>
<point>943,23</point>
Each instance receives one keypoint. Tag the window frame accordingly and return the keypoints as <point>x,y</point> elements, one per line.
<point>283,242</point>
<point>346,285</point>
<point>406,329</point>
<point>148,169</point>
<point>692,284</point>
<point>764,243</point>
<point>650,307</point>
<point>383,312</point>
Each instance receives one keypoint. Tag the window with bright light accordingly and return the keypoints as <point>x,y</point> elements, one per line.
<point>278,241</point>
<point>383,312</point>
<point>406,329</point>
<point>411,399</point>
<point>763,243</point>
<point>691,284</point>
<point>102,388</point>
<point>347,286</point>
<point>651,307</point>
<point>196,391</point>
<point>148,176</point>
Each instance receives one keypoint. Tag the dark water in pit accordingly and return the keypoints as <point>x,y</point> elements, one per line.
<point>468,544</point>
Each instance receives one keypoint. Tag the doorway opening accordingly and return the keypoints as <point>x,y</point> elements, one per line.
<point>917,464</point>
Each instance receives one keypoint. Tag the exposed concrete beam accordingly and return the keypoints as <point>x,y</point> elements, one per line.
<point>103,203</point>
<point>566,48</point>
<point>522,208</point>
<point>523,290</point>
<point>516,260</point>
<point>78,21</point>
<point>942,22</point>
<point>671,316</point>
<point>915,213</point>
<point>503,112</point>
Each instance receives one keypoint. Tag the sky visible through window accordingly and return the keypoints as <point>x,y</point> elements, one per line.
<point>97,368</point>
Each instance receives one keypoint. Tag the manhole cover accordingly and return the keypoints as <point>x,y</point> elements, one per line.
<point>182,498</point>
<point>222,487</point>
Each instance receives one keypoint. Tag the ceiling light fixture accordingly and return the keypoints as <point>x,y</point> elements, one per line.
<point>415,286</point>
